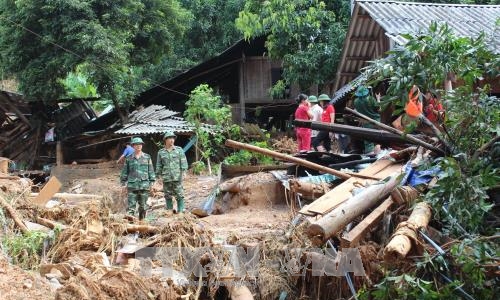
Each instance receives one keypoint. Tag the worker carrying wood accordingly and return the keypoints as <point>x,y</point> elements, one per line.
<point>137,177</point>
<point>171,164</point>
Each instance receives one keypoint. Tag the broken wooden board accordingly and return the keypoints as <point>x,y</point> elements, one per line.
<point>381,169</point>
<point>351,239</point>
<point>48,191</point>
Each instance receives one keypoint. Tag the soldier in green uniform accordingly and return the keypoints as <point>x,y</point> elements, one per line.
<point>170,166</point>
<point>138,176</point>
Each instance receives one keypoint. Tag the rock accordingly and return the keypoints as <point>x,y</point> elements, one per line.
<point>27,284</point>
<point>54,284</point>
<point>54,273</point>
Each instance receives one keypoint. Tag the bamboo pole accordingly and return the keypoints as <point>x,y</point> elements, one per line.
<point>396,131</point>
<point>299,161</point>
<point>321,230</point>
<point>401,242</point>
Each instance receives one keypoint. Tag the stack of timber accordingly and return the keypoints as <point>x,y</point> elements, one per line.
<point>323,205</point>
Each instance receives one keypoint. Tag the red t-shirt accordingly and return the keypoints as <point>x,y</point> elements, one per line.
<point>301,112</point>
<point>325,117</point>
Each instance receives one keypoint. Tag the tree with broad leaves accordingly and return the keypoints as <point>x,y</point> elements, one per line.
<point>42,41</point>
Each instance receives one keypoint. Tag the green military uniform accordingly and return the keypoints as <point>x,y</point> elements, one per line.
<point>367,105</point>
<point>170,166</point>
<point>138,174</point>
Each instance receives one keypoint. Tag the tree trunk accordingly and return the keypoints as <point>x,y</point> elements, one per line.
<point>407,233</point>
<point>321,230</point>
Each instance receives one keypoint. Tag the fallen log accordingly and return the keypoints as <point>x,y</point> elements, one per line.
<point>71,196</point>
<point>406,236</point>
<point>408,137</point>
<point>353,237</point>
<point>368,134</point>
<point>13,214</point>
<point>321,230</point>
<point>133,228</point>
<point>302,162</point>
<point>49,223</point>
<point>308,190</point>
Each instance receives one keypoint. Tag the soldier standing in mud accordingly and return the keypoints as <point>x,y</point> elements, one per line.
<point>138,176</point>
<point>170,166</point>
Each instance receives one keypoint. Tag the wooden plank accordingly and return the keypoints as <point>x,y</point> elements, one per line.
<point>342,192</point>
<point>352,238</point>
<point>48,191</point>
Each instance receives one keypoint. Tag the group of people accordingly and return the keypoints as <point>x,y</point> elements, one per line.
<point>315,109</point>
<point>138,174</point>
<point>365,103</point>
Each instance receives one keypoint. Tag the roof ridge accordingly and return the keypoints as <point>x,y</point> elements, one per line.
<point>429,3</point>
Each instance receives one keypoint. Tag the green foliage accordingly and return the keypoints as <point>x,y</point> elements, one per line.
<point>307,35</point>
<point>77,85</point>
<point>405,286</point>
<point>245,157</point>
<point>198,167</point>
<point>459,200</point>
<point>211,31</point>
<point>25,250</point>
<point>472,256</point>
<point>427,58</point>
<point>204,107</point>
<point>113,39</point>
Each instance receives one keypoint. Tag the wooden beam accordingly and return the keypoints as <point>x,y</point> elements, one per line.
<point>373,135</point>
<point>59,154</point>
<point>410,138</point>
<point>322,230</point>
<point>351,239</point>
<point>14,108</point>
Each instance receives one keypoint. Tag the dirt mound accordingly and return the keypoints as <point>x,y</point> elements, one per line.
<point>16,283</point>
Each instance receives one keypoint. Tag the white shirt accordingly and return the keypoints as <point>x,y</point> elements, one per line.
<point>316,111</point>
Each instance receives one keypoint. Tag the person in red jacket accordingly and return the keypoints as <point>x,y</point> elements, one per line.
<point>303,112</point>
<point>328,116</point>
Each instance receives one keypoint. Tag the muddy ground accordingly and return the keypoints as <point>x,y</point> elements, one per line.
<point>255,220</point>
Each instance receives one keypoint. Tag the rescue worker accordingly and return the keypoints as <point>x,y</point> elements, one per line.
<point>171,164</point>
<point>137,176</point>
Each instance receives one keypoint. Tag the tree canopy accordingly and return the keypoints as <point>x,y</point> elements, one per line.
<point>42,41</point>
<point>307,35</point>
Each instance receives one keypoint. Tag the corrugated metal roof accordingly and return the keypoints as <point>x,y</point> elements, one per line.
<point>410,17</point>
<point>376,24</point>
<point>154,119</point>
<point>157,119</point>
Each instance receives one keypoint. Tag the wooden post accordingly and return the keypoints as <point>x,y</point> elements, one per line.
<point>299,161</point>
<point>321,230</point>
<point>59,154</point>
